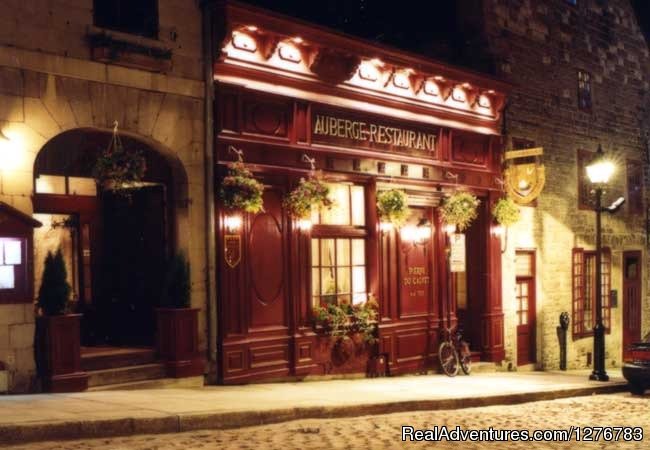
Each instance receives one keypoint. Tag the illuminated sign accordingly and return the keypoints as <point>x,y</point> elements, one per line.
<point>336,129</point>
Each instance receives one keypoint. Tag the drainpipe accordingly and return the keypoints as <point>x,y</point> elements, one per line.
<point>207,9</point>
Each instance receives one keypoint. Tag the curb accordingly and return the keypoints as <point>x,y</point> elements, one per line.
<point>49,431</point>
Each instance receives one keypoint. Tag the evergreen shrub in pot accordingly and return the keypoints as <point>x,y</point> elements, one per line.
<point>57,345</point>
<point>177,337</point>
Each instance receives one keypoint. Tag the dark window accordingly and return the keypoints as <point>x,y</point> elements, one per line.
<point>584,90</point>
<point>635,187</point>
<point>584,290</point>
<point>130,16</point>
<point>584,185</point>
<point>573,2</point>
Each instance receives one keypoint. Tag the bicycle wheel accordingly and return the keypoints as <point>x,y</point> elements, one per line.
<point>448,359</point>
<point>465,359</point>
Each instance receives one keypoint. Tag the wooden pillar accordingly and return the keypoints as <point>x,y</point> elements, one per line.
<point>492,315</point>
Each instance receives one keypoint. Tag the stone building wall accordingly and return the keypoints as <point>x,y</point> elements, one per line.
<point>50,84</point>
<point>539,47</point>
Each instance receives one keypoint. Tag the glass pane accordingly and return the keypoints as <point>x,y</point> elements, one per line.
<point>7,277</point>
<point>315,282</point>
<point>359,297</point>
<point>524,289</point>
<point>359,279</point>
<point>328,286</point>
<point>358,252</point>
<point>314,252</point>
<point>82,186</point>
<point>343,280</point>
<point>327,252</point>
<point>2,252</point>
<point>524,304</point>
<point>339,214</point>
<point>50,184</point>
<point>358,206</point>
<point>524,264</point>
<point>524,318</point>
<point>342,252</point>
<point>13,254</point>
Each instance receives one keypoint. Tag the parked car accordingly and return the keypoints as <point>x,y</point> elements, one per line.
<point>636,369</point>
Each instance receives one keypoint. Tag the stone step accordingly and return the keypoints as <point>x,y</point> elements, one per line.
<point>98,358</point>
<point>128,374</point>
<point>161,383</point>
<point>483,367</point>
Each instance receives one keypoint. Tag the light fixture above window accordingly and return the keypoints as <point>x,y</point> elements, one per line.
<point>244,41</point>
<point>431,88</point>
<point>459,94</point>
<point>289,52</point>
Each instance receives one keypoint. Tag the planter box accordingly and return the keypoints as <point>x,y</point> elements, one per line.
<point>344,356</point>
<point>58,353</point>
<point>177,341</point>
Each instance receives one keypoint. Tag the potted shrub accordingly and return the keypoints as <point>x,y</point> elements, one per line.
<point>177,335</point>
<point>57,341</point>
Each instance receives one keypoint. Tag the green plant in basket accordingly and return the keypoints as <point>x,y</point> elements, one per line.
<point>506,212</point>
<point>392,206</point>
<point>241,191</point>
<point>312,192</point>
<point>460,209</point>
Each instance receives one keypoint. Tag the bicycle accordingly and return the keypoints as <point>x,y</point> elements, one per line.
<point>454,352</point>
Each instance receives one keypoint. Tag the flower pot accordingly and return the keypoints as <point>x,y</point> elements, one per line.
<point>177,341</point>
<point>58,353</point>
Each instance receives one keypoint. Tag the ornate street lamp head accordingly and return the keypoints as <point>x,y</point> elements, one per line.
<point>601,169</point>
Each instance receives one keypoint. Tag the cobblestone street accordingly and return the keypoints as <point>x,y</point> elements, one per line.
<point>384,432</point>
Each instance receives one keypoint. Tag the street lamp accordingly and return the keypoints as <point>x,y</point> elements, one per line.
<point>599,172</point>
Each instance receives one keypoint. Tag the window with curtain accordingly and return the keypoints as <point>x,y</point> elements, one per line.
<point>584,291</point>
<point>338,248</point>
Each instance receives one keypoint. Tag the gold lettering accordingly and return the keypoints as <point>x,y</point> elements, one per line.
<point>348,128</point>
<point>373,132</point>
<point>318,126</point>
<point>332,126</point>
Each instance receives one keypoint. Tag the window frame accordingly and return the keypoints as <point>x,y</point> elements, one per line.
<point>118,25</point>
<point>635,197</point>
<point>21,292</point>
<point>350,232</point>
<point>585,91</point>
<point>579,281</point>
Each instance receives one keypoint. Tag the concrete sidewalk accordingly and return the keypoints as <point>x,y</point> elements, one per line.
<point>112,413</point>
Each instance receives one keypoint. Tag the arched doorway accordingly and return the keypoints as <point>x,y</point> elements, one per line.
<point>115,245</point>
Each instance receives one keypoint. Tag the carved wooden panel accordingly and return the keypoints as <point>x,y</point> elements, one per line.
<point>267,117</point>
<point>415,271</point>
<point>470,148</point>
<point>411,346</point>
<point>268,355</point>
<point>266,250</point>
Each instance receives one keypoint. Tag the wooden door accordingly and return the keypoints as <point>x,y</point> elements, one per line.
<point>525,307</point>
<point>631,299</point>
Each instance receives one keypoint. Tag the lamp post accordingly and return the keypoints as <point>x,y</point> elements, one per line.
<point>599,172</point>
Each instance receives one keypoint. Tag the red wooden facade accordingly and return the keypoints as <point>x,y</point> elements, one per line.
<point>272,103</point>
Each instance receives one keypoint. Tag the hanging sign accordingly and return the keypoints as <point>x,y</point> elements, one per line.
<point>232,249</point>
<point>524,174</point>
<point>457,254</point>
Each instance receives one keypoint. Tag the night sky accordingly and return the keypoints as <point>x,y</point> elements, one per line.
<point>426,27</point>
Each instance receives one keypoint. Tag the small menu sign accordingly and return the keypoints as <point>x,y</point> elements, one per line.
<point>457,254</point>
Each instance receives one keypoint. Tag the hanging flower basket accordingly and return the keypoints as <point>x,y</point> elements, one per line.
<point>308,193</point>
<point>392,207</point>
<point>460,209</point>
<point>506,212</point>
<point>118,168</point>
<point>241,191</point>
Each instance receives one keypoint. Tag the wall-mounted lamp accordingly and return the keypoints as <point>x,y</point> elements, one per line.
<point>450,228</point>
<point>502,233</point>
<point>385,227</point>
<point>417,234</point>
<point>233,223</point>
<point>304,224</point>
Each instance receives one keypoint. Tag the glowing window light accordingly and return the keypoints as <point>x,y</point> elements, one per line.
<point>297,40</point>
<point>251,28</point>
<point>484,101</point>
<point>459,94</point>
<point>7,280</point>
<point>385,227</point>
<point>12,251</point>
<point>289,52</point>
<point>243,41</point>
<point>305,224</point>
<point>431,88</point>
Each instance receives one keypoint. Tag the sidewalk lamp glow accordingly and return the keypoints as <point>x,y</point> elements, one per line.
<point>601,169</point>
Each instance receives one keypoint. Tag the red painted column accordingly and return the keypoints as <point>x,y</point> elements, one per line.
<point>492,315</point>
